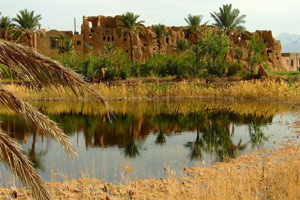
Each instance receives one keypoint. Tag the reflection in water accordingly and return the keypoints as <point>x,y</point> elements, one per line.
<point>214,127</point>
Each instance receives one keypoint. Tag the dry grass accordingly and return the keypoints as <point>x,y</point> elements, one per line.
<point>244,90</point>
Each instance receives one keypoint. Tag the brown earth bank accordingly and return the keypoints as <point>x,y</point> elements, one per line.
<point>264,174</point>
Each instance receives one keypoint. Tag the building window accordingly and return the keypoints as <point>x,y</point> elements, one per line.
<point>78,42</point>
<point>292,63</point>
<point>112,38</point>
<point>108,38</point>
<point>124,39</point>
<point>54,43</point>
<point>103,38</point>
<point>167,40</point>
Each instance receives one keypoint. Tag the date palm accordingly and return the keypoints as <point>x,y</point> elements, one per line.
<point>229,18</point>
<point>130,26</point>
<point>39,70</point>
<point>194,27</point>
<point>27,24</point>
<point>182,45</point>
<point>6,27</point>
<point>159,30</point>
<point>65,44</point>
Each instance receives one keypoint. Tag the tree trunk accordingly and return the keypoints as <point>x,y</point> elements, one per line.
<point>131,47</point>
<point>197,57</point>
<point>159,45</point>
<point>30,40</point>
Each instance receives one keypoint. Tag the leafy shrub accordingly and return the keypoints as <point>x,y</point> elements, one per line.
<point>235,69</point>
<point>124,73</point>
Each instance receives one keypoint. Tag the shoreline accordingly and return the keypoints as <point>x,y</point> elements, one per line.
<point>261,174</point>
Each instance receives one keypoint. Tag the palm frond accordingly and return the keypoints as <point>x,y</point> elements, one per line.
<point>43,123</point>
<point>11,154</point>
<point>32,66</point>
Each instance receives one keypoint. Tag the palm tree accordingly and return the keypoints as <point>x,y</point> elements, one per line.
<point>182,45</point>
<point>229,18</point>
<point>6,27</point>
<point>65,44</point>
<point>159,31</point>
<point>39,70</point>
<point>27,24</point>
<point>131,25</point>
<point>194,23</point>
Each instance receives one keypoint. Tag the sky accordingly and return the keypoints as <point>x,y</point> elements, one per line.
<point>275,15</point>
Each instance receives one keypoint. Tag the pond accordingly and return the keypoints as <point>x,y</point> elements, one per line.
<point>147,139</point>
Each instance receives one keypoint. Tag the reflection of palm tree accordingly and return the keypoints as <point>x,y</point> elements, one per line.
<point>160,139</point>
<point>256,134</point>
<point>195,147</point>
<point>131,149</point>
<point>34,157</point>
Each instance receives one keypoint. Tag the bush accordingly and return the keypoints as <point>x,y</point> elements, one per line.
<point>235,69</point>
<point>110,73</point>
<point>124,73</point>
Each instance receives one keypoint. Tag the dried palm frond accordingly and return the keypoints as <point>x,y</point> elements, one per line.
<point>43,123</point>
<point>11,154</point>
<point>39,70</point>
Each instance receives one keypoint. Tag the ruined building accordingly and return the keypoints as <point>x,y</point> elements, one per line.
<point>97,31</point>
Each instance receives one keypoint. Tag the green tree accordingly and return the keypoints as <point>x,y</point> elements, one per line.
<point>65,44</point>
<point>27,23</point>
<point>182,45</point>
<point>229,18</point>
<point>215,47</point>
<point>159,30</point>
<point>131,25</point>
<point>6,27</point>
<point>238,54</point>
<point>194,23</point>
<point>256,53</point>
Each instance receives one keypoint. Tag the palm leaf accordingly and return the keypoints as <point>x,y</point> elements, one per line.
<point>43,123</point>
<point>11,154</point>
<point>42,71</point>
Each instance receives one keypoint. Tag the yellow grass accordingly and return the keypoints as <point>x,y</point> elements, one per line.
<point>244,90</point>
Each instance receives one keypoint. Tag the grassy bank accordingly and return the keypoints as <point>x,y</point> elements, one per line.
<point>268,90</point>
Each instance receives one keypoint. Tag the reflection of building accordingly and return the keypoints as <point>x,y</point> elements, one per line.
<point>97,31</point>
<point>291,61</point>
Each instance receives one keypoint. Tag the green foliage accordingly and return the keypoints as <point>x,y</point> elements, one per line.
<point>235,69</point>
<point>182,65</point>
<point>229,18</point>
<point>215,47</point>
<point>65,44</point>
<point>159,30</point>
<point>113,59</point>
<point>182,45</point>
<point>238,54</point>
<point>256,53</point>
<point>6,27</point>
<point>27,20</point>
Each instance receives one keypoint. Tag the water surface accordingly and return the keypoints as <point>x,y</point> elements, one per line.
<point>145,140</point>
